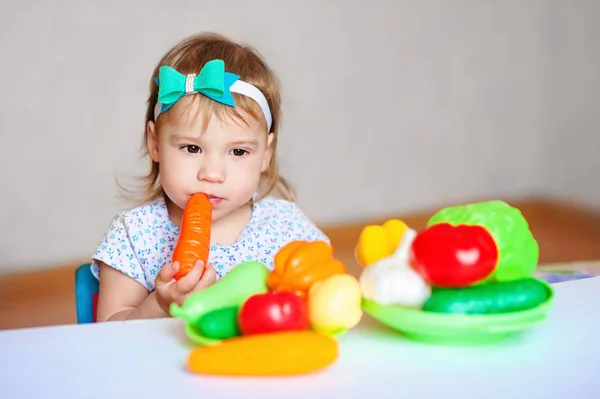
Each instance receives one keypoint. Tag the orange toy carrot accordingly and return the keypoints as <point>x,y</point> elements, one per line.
<point>194,238</point>
<point>273,354</point>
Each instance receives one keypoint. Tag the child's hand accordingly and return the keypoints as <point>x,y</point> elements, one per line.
<point>169,290</point>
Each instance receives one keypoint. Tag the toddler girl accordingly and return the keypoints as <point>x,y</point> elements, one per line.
<point>211,126</point>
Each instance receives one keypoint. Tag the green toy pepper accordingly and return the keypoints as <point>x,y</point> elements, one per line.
<point>245,280</point>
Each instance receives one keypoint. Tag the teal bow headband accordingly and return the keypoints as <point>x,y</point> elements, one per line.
<point>212,81</point>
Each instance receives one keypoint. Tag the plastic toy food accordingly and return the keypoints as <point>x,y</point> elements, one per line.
<point>466,278</point>
<point>194,236</point>
<point>273,312</point>
<point>233,289</point>
<point>274,354</point>
<point>454,256</point>
<point>300,264</point>
<point>518,252</point>
<point>334,304</point>
<point>220,323</point>
<point>391,281</point>
<point>495,297</point>
<point>281,322</point>
<point>378,242</point>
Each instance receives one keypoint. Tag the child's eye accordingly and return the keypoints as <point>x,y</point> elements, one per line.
<point>192,149</point>
<point>238,152</point>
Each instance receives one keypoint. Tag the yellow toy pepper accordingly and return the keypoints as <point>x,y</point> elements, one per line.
<point>379,241</point>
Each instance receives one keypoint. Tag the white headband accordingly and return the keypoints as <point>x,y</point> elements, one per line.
<point>239,87</point>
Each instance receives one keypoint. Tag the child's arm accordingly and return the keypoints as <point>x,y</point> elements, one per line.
<point>123,298</point>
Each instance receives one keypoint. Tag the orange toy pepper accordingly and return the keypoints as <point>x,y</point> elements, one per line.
<point>194,237</point>
<point>301,263</point>
<point>273,354</point>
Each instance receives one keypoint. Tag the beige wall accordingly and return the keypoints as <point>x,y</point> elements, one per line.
<point>461,99</point>
<point>571,130</point>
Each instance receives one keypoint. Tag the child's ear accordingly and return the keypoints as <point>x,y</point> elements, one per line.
<point>152,140</point>
<point>268,152</point>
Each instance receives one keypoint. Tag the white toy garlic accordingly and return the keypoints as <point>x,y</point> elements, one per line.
<point>391,280</point>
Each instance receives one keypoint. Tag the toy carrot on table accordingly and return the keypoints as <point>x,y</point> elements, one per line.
<point>274,354</point>
<point>194,237</point>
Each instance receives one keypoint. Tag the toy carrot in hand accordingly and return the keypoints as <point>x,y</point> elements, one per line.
<point>194,238</point>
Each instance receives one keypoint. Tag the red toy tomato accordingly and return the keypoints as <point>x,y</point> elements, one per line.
<point>273,311</point>
<point>454,256</point>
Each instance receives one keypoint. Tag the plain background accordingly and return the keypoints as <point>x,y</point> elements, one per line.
<point>389,106</point>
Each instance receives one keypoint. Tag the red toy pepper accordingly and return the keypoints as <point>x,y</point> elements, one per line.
<point>454,256</point>
<point>272,312</point>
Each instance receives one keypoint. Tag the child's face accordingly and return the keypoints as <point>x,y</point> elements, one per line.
<point>223,160</point>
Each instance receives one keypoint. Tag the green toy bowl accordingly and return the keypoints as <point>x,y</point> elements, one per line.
<point>457,329</point>
<point>194,335</point>
<point>198,339</point>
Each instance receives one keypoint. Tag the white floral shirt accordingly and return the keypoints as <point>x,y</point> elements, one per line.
<point>140,242</point>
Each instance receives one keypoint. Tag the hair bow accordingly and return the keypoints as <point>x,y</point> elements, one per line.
<point>212,81</point>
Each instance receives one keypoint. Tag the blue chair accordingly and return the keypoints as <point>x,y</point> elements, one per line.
<point>86,292</point>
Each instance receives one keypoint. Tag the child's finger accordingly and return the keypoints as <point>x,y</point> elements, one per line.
<point>208,278</point>
<point>167,273</point>
<point>189,281</point>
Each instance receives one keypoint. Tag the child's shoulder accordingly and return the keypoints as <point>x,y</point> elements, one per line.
<point>278,210</point>
<point>156,208</point>
<point>150,214</point>
<point>275,205</point>
<point>142,225</point>
<point>136,242</point>
<point>282,217</point>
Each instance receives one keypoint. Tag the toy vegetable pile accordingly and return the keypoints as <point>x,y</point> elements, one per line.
<point>471,259</point>
<point>281,322</point>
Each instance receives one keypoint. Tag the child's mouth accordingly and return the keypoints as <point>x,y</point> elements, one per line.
<point>214,199</point>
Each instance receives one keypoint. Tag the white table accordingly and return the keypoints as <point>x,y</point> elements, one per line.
<point>560,359</point>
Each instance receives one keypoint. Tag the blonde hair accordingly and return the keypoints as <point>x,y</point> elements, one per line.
<point>189,56</point>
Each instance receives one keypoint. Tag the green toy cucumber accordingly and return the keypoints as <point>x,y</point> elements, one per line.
<point>245,280</point>
<point>220,323</point>
<point>489,298</point>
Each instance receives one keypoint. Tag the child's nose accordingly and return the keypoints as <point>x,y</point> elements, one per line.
<point>212,171</point>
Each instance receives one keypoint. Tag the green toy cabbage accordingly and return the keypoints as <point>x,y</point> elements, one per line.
<point>517,248</point>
